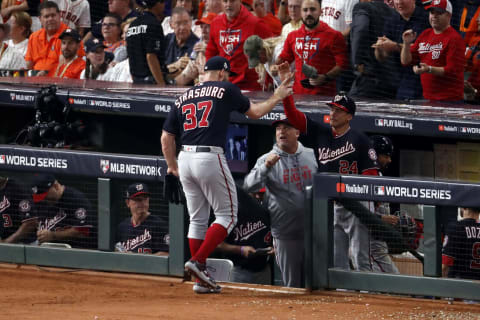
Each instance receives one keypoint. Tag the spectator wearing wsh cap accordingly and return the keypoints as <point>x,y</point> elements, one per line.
<point>69,64</point>
<point>142,232</point>
<point>98,60</point>
<point>437,54</point>
<point>285,172</point>
<point>64,213</point>
<point>195,66</point>
<point>261,55</point>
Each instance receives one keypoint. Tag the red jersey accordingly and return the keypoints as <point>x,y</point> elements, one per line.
<point>226,40</point>
<point>322,48</point>
<point>446,50</point>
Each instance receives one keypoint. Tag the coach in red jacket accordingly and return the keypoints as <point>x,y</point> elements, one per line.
<point>228,33</point>
<point>319,46</point>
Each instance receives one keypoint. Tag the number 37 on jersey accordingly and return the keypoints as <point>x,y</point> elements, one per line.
<point>196,115</point>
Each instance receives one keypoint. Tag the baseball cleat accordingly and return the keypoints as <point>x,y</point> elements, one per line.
<point>200,288</point>
<point>199,271</point>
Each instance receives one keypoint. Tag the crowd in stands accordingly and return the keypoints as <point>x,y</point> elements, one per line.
<point>397,49</point>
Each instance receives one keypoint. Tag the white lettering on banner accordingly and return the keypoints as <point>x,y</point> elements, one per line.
<point>412,192</point>
<point>356,188</point>
<point>326,155</point>
<point>393,123</point>
<point>243,232</point>
<point>272,116</point>
<point>470,130</point>
<point>109,104</point>
<point>21,97</point>
<point>39,162</point>
<point>162,108</point>
<point>133,169</point>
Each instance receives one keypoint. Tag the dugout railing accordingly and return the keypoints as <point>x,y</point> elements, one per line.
<point>437,197</point>
<point>108,170</point>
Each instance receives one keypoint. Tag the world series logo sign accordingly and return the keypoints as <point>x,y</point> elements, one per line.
<point>2,159</point>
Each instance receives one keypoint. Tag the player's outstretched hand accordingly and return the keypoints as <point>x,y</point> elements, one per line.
<point>285,89</point>
<point>283,70</point>
<point>172,189</point>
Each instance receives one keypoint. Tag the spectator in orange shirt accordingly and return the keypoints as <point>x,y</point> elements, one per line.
<point>69,65</point>
<point>273,23</point>
<point>44,45</point>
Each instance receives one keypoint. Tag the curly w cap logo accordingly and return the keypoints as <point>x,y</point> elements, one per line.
<point>230,40</point>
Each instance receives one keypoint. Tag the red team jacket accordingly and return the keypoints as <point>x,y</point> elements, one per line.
<point>322,48</point>
<point>226,40</point>
<point>447,50</point>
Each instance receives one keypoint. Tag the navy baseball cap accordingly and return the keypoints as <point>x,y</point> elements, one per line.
<point>71,33</point>
<point>40,186</point>
<point>136,189</point>
<point>218,63</point>
<point>92,44</point>
<point>283,119</point>
<point>343,102</point>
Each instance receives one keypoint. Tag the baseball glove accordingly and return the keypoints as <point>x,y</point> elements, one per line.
<point>172,189</point>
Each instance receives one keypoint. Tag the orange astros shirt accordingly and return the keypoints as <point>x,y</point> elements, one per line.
<point>45,54</point>
<point>71,70</point>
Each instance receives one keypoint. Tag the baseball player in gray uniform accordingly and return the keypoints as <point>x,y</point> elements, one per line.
<point>285,172</point>
<point>200,118</point>
<point>381,260</point>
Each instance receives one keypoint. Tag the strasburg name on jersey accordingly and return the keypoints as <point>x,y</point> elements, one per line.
<point>208,91</point>
<point>326,154</point>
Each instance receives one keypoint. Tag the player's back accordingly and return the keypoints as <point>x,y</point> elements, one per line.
<point>462,243</point>
<point>202,113</point>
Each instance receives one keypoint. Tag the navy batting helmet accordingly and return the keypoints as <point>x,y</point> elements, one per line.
<point>382,145</point>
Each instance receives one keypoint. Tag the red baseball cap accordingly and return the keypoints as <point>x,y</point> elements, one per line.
<point>440,5</point>
<point>207,19</point>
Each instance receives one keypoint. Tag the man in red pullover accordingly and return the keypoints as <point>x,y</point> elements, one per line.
<point>319,46</point>
<point>228,33</point>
